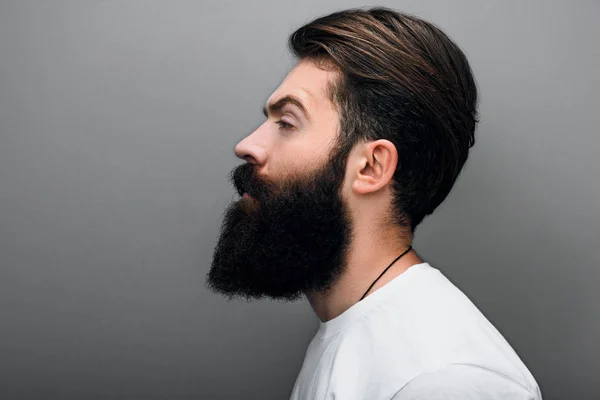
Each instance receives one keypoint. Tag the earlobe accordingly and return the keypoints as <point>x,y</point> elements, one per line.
<point>360,186</point>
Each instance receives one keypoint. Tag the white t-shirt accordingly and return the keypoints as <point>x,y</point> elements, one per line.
<point>416,337</point>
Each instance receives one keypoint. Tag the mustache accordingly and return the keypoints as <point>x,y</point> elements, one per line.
<point>245,180</point>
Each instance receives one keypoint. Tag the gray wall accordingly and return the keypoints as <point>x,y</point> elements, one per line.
<point>117,126</point>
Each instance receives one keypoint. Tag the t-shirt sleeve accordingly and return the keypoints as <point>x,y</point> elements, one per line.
<point>464,382</point>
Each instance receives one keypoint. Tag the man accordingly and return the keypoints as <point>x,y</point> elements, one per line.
<point>365,137</point>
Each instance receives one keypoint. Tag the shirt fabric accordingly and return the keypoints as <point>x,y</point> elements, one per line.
<point>417,337</point>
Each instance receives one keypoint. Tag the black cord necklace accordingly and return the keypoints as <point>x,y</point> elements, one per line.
<point>407,250</point>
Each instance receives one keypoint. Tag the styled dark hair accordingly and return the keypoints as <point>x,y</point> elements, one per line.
<point>401,79</point>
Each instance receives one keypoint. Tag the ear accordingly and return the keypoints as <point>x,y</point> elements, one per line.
<point>376,166</point>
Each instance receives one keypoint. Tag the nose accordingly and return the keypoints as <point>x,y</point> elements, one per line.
<point>249,149</point>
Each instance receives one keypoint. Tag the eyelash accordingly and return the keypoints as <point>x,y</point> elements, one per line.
<point>284,125</point>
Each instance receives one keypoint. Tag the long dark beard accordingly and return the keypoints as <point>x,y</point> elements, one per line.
<point>287,240</point>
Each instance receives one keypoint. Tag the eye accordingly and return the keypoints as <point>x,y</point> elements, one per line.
<point>283,125</point>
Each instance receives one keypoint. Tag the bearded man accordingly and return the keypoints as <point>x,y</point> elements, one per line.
<point>365,137</point>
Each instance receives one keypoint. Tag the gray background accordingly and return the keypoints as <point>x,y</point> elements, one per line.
<point>117,126</point>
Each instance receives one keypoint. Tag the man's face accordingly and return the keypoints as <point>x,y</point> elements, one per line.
<point>292,235</point>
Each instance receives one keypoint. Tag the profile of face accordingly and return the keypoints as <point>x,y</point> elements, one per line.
<point>291,235</point>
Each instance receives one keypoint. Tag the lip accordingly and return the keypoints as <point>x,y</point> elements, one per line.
<point>246,196</point>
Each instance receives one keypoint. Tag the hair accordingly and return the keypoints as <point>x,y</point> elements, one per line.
<point>401,79</point>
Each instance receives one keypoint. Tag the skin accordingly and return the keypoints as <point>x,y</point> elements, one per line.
<point>306,230</point>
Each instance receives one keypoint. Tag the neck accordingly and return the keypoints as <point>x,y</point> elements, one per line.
<point>367,259</point>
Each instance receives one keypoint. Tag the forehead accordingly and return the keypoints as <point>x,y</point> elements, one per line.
<point>307,82</point>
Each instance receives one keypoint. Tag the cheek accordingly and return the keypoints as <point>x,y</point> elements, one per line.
<point>300,153</point>
<point>298,158</point>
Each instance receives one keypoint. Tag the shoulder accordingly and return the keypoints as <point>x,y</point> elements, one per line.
<point>465,382</point>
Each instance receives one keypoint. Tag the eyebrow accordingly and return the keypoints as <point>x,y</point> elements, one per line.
<point>279,104</point>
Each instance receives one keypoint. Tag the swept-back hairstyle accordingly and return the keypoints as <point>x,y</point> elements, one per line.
<point>401,79</point>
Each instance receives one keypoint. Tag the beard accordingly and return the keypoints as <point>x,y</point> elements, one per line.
<point>286,239</point>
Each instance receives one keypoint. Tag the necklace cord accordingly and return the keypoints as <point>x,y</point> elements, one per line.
<point>407,250</point>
